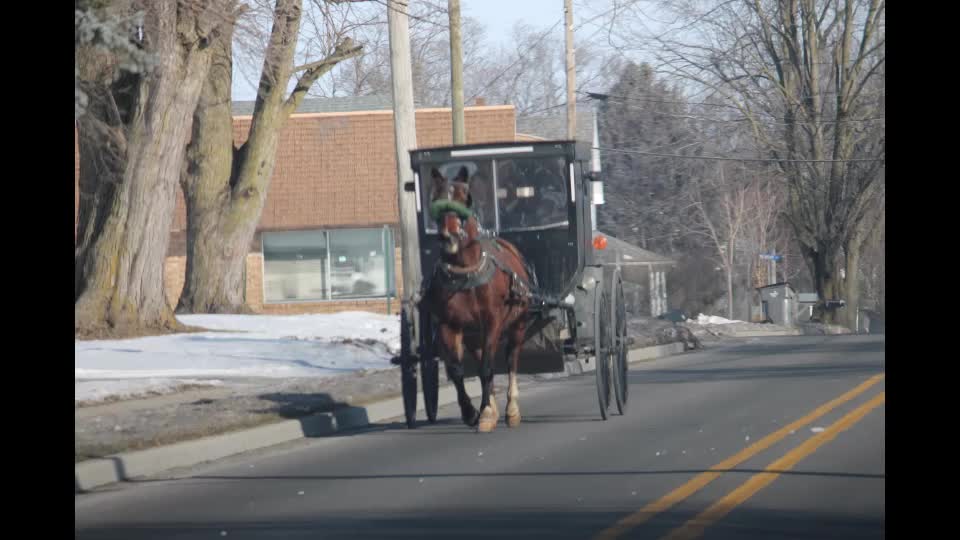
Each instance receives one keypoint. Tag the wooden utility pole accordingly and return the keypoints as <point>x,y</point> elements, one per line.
<point>456,72</point>
<point>405,132</point>
<point>571,73</point>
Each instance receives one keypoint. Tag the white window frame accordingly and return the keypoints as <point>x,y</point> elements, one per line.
<point>389,268</point>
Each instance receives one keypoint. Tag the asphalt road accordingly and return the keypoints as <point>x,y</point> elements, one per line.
<point>773,438</point>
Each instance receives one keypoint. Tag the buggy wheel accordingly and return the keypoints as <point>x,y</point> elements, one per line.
<point>430,377</point>
<point>602,348</point>
<point>618,315</point>
<point>408,373</point>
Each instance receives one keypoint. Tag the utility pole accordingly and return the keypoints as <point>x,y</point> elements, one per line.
<point>456,72</point>
<point>405,132</point>
<point>571,73</point>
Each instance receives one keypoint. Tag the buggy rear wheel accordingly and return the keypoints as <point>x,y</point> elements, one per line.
<point>618,314</point>
<point>603,348</point>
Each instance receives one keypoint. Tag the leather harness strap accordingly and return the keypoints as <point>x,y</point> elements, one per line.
<point>454,279</point>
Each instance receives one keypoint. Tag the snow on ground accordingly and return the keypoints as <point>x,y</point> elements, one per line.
<point>240,346</point>
<point>711,319</point>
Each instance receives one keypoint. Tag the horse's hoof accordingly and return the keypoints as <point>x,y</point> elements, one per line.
<point>513,421</point>
<point>471,417</point>
<point>488,420</point>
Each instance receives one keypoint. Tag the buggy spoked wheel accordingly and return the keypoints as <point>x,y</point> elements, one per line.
<point>603,349</point>
<point>620,364</point>
<point>408,373</point>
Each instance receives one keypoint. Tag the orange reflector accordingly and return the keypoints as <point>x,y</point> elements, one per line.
<point>600,242</point>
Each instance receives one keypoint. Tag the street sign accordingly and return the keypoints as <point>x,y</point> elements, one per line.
<point>770,256</point>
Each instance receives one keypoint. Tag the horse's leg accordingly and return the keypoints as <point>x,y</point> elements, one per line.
<point>453,361</point>
<point>478,354</point>
<point>488,409</point>
<point>514,344</point>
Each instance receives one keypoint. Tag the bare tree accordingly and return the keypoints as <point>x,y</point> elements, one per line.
<point>723,213</point>
<point>761,234</point>
<point>326,22</point>
<point>225,187</point>
<point>806,77</point>
<point>132,139</point>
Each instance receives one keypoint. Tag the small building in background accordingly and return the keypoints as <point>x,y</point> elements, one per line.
<point>778,304</point>
<point>644,275</point>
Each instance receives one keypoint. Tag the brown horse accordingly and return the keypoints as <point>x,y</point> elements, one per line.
<point>479,292</point>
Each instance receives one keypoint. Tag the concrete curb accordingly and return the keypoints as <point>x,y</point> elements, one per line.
<point>94,473</point>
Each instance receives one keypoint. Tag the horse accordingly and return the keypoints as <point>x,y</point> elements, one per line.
<point>479,291</point>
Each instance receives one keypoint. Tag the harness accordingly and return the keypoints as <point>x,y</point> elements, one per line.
<point>453,279</point>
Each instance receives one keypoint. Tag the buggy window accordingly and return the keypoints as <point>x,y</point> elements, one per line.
<point>481,189</point>
<point>532,193</point>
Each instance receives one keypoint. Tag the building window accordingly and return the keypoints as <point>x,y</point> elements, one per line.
<point>317,265</point>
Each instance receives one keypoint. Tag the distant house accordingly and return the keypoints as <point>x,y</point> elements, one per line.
<point>327,238</point>
<point>644,275</point>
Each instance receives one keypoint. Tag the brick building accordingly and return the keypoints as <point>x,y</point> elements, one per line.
<point>327,236</point>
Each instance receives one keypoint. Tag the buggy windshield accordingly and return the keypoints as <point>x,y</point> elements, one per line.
<point>508,194</point>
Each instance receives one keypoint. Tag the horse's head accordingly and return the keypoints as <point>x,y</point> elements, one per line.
<point>450,207</point>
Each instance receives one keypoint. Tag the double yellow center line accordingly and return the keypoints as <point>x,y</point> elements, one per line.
<point>695,526</point>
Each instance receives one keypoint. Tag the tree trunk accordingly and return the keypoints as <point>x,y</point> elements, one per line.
<point>131,144</point>
<point>729,269</point>
<point>823,264</point>
<point>216,247</point>
<point>225,188</point>
<point>851,284</point>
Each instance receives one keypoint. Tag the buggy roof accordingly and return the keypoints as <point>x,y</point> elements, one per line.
<point>495,150</point>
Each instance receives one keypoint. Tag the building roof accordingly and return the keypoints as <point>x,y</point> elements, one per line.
<point>618,251</point>
<point>554,127</point>
<point>775,285</point>
<point>328,105</point>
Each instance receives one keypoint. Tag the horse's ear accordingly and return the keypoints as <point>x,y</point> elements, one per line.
<point>462,175</point>
<point>439,184</point>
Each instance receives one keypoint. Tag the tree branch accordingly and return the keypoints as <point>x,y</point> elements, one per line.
<point>345,50</point>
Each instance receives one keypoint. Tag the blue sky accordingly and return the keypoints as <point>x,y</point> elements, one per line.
<point>499,16</point>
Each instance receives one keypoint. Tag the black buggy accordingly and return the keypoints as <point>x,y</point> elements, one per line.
<point>538,196</point>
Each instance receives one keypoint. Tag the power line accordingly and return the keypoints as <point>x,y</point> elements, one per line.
<point>607,97</point>
<point>743,119</point>
<point>721,158</point>
<point>526,114</point>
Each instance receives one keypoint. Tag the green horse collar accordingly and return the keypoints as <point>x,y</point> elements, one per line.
<point>442,206</point>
